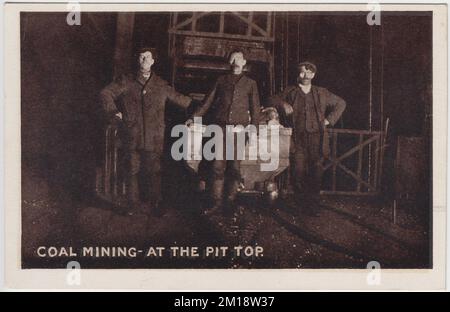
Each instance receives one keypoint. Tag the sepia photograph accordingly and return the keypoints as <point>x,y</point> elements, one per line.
<point>226,138</point>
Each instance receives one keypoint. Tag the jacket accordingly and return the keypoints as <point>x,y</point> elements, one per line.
<point>326,106</point>
<point>142,103</point>
<point>231,104</point>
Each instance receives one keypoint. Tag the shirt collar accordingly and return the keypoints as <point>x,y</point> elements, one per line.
<point>305,89</point>
<point>144,78</point>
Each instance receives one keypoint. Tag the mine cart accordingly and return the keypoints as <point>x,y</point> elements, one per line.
<point>262,176</point>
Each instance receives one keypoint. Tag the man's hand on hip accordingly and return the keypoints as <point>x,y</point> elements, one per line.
<point>287,108</point>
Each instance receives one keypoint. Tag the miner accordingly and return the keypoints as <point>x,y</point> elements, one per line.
<point>312,109</point>
<point>139,101</point>
<point>233,101</point>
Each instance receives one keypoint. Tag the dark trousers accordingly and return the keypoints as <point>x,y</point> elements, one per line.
<point>228,171</point>
<point>148,163</point>
<point>307,173</point>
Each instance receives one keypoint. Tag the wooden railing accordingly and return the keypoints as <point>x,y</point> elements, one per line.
<point>355,163</point>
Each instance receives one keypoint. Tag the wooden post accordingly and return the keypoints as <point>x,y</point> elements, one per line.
<point>394,212</point>
<point>382,80</point>
<point>250,21</point>
<point>173,22</point>
<point>383,146</point>
<point>334,161</point>
<point>271,75</point>
<point>269,24</point>
<point>124,43</point>
<point>298,41</point>
<point>286,49</point>
<point>370,76</point>
<point>115,160</point>
<point>194,21</point>
<point>107,164</point>
<point>222,22</point>
<point>377,159</point>
<point>370,97</point>
<point>272,61</point>
<point>360,155</point>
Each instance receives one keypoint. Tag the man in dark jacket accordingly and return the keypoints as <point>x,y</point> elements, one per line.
<point>140,102</point>
<point>312,109</point>
<point>234,100</point>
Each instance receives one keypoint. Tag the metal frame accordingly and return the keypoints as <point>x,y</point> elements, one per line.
<point>266,36</point>
<point>109,181</point>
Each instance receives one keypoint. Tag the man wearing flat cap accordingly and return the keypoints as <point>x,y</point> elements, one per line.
<point>312,109</point>
<point>139,101</point>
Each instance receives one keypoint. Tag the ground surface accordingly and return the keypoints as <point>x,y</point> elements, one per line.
<point>348,233</point>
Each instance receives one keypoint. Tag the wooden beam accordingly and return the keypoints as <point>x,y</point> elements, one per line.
<point>124,43</point>
<point>286,49</point>
<point>353,150</point>
<point>354,176</point>
<point>382,77</point>
<point>115,161</point>
<point>334,165</point>
<point>383,137</point>
<point>175,19</point>
<point>349,193</point>
<point>195,16</point>
<point>370,77</point>
<point>377,159</point>
<point>107,175</point>
<point>194,21</point>
<point>219,35</point>
<point>269,24</point>
<point>222,22</point>
<point>250,19</point>
<point>360,154</point>
<point>352,131</point>
<point>271,75</point>
<point>256,27</point>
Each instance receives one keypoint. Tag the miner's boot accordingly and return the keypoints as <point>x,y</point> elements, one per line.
<point>217,197</point>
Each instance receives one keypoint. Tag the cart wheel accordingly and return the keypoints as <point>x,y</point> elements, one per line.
<point>271,193</point>
<point>271,198</point>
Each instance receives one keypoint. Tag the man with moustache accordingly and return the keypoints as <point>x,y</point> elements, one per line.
<point>234,100</point>
<point>139,101</point>
<point>312,109</point>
